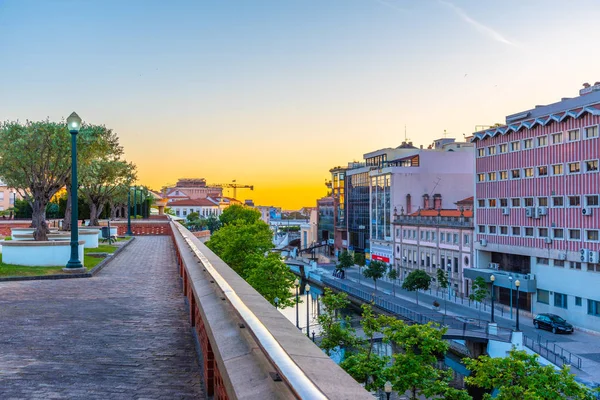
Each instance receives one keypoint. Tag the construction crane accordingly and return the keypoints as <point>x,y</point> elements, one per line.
<point>232,185</point>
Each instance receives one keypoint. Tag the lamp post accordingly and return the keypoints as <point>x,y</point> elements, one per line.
<point>74,264</point>
<point>492,279</point>
<point>135,202</point>
<point>517,284</point>
<point>297,285</point>
<point>129,232</point>
<point>387,388</point>
<point>510,278</point>
<point>307,290</point>
<point>449,278</point>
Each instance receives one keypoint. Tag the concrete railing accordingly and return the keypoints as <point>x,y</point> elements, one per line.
<point>248,349</point>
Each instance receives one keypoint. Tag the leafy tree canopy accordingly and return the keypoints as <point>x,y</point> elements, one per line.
<point>416,280</point>
<point>271,278</point>
<point>345,260</point>
<point>238,212</point>
<point>375,270</point>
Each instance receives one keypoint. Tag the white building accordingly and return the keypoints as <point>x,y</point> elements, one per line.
<point>204,207</point>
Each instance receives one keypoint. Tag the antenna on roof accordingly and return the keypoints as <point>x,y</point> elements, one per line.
<point>405,139</point>
<point>445,133</point>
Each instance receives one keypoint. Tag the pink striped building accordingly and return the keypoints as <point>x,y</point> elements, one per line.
<point>537,202</point>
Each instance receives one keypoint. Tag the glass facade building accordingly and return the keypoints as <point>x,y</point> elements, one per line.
<point>357,205</point>
<point>380,207</point>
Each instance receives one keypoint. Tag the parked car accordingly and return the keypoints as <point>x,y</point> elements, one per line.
<point>552,323</point>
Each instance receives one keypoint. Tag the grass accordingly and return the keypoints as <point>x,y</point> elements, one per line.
<point>102,248</point>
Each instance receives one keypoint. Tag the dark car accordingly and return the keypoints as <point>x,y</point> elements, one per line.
<point>552,323</point>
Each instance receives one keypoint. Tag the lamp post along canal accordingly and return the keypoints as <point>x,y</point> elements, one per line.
<point>74,264</point>
<point>510,278</point>
<point>129,233</point>
<point>492,279</point>
<point>135,202</point>
<point>297,285</point>
<point>517,284</point>
<point>307,290</point>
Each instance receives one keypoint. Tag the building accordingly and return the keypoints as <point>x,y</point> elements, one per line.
<point>204,207</point>
<point>192,189</point>
<point>308,230</point>
<point>338,192</point>
<point>325,225</point>
<point>537,213</point>
<point>357,206</point>
<point>7,197</point>
<point>434,238</point>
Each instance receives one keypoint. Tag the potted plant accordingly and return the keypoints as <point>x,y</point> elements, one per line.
<point>436,305</point>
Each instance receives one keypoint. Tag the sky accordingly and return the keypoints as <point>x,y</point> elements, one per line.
<point>274,93</point>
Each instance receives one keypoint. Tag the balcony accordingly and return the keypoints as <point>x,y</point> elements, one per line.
<point>438,221</point>
<point>528,282</point>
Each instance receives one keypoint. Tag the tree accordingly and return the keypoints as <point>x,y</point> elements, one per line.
<point>414,366</point>
<point>479,291</point>
<point>392,275</point>
<point>35,158</point>
<point>375,270</point>
<point>442,278</point>
<point>272,278</point>
<point>521,376</point>
<point>345,260</point>
<point>336,332</point>
<point>415,281</point>
<point>101,179</point>
<point>213,224</point>
<point>238,212</point>
<point>359,259</point>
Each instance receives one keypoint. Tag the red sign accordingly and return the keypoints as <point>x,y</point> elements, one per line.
<point>380,258</point>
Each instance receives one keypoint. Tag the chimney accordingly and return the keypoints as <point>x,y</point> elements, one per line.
<point>421,147</point>
<point>437,201</point>
<point>586,85</point>
<point>408,205</point>
<point>426,202</point>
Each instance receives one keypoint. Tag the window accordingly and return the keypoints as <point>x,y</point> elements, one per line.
<point>515,146</point>
<point>593,308</point>
<point>542,170</point>
<point>558,233</point>
<point>574,168</point>
<point>543,261</point>
<point>557,169</point>
<point>443,235</point>
<point>591,166</point>
<point>456,238</point>
<point>466,240</point>
<point>542,201</point>
<point>575,265</point>
<point>503,148</point>
<point>574,201</point>
<point>491,202</point>
<point>492,150</point>
<point>591,132</point>
<point>528,201</point>
<point>480,203</point>
<point>515,173</point>
<point>542,141</point>
<point>543,232</point>
<point>480,177</point>
<point>592,200</point>
<point>528,172</point>
<point>578,301</point>
<point>529,232</point>
<point>559,263</point>
<point>503,202</point>
<point>433,236</point>
<point>558,201</point>
<point>481,229</point>
<point>543,296</point>
<point>427,235</point>
<point>593,267</point>
<point>184,213</point>
<point>491,176</point>
<point>516,202</point>
<point>504,230</point>
<point>422,235</point>
<point>528,143</point>
<point>557,138</point>
<point>481,152</point>
<point>560,300</point>
<point>574,234</point>
<point>516,231</point>
<point>591,235</point>
<point>492,229</point>
<point>503,175</point>
<point>573,135</point>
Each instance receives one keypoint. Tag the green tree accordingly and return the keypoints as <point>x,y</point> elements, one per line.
<point>479,291</point>
<point>345,260</point>
<point>336,332</point>
<point>392,275</point>
<point>442,278</point>
<point>359,259</point>
<point>238,212</point>
<point>213,223</point>
<point>521,376</point>
<point>272,278</point>
<point>415,364</point>
<point>415,281</point>
<point>375,270</point>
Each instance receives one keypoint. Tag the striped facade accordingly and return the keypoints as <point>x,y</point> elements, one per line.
<point>524,220</point>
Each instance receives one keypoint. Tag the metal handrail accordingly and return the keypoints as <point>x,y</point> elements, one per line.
<point>556,354</point>
<point>289,371</point>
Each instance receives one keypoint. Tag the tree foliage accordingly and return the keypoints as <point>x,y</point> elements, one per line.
<point>521,376</point>
<point>479,290</point>
<point>442,278</point>
<point>336,332</point>
<point>272,278</point>
<point>415,281</point>
<point>359,259</point>
<point>345,260</point>
<point>241,213</point>
<point>392,275</point>
<point>375,270</point>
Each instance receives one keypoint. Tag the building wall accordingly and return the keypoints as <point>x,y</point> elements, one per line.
<point>7,196</point>
<point>204,211</point>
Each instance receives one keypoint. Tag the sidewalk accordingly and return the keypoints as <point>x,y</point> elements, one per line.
<point>582,344</point>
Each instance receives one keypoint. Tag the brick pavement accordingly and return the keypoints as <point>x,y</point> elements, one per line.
<point>123,334</point>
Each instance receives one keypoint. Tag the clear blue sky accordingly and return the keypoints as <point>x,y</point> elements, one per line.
<point>275,92</point>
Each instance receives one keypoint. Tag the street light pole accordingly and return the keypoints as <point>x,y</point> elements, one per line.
<point>129,233</point>
<point>510,278</point>
<point>492,279</point>
<point>517,284</point>
<point>307,290</point>
<point>449,279</point>
<point>135,202</point>
<point>74,264</point>
<point>297,285</point>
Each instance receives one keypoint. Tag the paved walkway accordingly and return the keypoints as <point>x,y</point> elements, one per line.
<point>120,335</point>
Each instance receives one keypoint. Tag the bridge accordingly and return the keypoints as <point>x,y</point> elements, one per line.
<point>165,318</point>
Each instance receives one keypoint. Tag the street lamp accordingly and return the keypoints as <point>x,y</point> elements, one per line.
<point>307,290</point>
<point>129,232</point>
<point>492,279</point>
<point>517,284</point>
<point>510,278</point>
<point>135,202</point>
<point>449,278</point>
<point>297,285</point>
<point>387,388</point>
<point>74,264</point>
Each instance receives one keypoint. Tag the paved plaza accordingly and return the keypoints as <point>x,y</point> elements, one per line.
<point>122,334</point>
